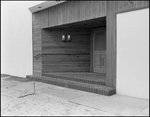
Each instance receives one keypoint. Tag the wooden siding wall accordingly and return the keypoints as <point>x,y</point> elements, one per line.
<point>72,11</point>
<point>61,56</point>
<point>124,6</point>
<point>68,56</point>
<point>75,11</point>
<point>37,47</point>
<point>111,44</point>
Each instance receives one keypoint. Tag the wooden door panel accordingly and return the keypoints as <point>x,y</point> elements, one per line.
<point>99,53</point>
<point>99,63</point>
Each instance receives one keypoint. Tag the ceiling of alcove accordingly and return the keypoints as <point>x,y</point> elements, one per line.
<point>87,24</point>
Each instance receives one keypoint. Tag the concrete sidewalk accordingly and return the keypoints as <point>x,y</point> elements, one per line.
<point>77,102</point>
<point>113,105</point>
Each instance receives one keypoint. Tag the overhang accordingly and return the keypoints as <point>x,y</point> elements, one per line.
<point>44,5</point>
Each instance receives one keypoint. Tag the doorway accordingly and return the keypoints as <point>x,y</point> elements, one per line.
<point>99,50</point>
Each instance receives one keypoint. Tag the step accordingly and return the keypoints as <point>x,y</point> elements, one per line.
<point>103,90</point>
<point>83,77</point>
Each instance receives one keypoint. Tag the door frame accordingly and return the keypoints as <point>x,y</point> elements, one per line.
<point>92,46</point>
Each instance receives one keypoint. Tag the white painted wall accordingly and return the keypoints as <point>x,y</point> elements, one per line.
<point>16,37</point>
<point>133,53</point>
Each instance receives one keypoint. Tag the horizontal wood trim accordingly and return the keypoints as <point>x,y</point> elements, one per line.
<point>66,68</point>
<point>58,39</point>
<point>37,46</point>
<point>37,41</point>
<point>36,34</point>
<point>36,27</point>
<point>65,56</point>
<point>37,68</point>
<point>37,62</point>
<point>58,69</point>
<point>62,63</point>
<point>36,38</point>
<point>66,51</point>
<point>58,42</point>
<point>63,32</point>
<point>77,37</point>
<point>37,49</point>
<point>74,47</point>
<point>65,62</point>
<point>51,66</point>
<point>37,73</point>
<point>35,52</point>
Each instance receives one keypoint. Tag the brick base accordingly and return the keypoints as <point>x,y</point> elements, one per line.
<point>79,84</point>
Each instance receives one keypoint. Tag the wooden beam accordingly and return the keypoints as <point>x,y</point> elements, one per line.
<point>91,52</point>
<point>111,44</point>
<point>36,43</point>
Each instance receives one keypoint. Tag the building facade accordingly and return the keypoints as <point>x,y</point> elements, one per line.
<point>75,44</point>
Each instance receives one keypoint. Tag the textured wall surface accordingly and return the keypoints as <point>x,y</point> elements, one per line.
<point>62,56</point>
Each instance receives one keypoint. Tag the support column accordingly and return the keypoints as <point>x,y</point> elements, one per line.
<point>37,44</point>
<point>111,44</point>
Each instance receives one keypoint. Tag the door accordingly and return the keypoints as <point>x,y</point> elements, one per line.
<point>99,51</point>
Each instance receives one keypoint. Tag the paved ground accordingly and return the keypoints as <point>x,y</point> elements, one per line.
<point>17,98</point>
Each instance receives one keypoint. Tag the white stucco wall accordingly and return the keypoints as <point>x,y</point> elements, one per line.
<point>16,37</point>
<point>133,53</point>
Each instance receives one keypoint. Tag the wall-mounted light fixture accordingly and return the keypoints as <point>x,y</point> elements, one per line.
<point>69,38</point>
<point>63,38</point>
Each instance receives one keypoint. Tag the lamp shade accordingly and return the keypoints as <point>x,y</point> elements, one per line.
<point>68,38</point>
<point>63,38</point>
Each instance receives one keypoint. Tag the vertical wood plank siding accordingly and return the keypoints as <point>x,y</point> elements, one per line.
<point>75,11</point>
<point>111,44</point>
<point>36,33</point>
<point>124,6</point>
<point>44,18</point>
<point>61,56</point>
